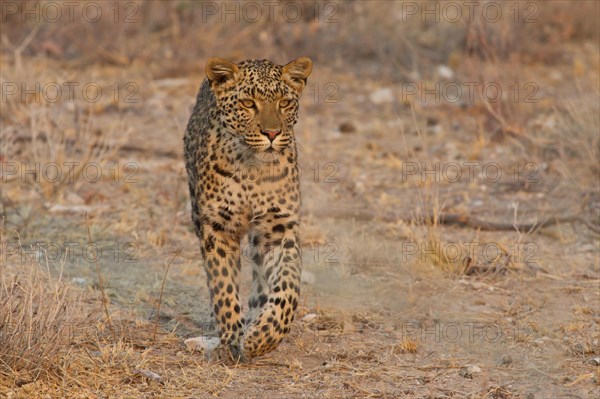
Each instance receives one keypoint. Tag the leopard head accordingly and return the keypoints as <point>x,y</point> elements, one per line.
<point>257,100</point>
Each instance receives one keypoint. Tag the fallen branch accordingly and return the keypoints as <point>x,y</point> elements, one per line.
<point>456,219</point>
<point>476,223</point>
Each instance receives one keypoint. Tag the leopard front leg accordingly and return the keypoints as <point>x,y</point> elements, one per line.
<point>221,253</point>
<point>260,287</point>
<point>276,286</point>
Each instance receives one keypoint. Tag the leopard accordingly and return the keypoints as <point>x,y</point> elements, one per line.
<point>244,181</point>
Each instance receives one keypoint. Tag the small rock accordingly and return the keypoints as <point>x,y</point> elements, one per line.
<point>347,127</point>
<point>381,96</point>
<point>151,375</point>
<point>444,72</point>
<point>309,317</point>
<point>19,382</point>
<point>432,121</point>
<point>79,280</point>
<point>469,371</point>
<point>207,344</point>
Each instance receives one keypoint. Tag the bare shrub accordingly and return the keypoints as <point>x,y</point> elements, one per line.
<point>403,41</point>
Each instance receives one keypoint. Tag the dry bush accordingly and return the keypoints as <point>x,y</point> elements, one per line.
<point>38,317</point>
<point>530,31</point>
<point>578,128</point>
<point>46,147</point>
<point>349,34</point>
<point>182,32</point>
<point>47,156</point>
<point>568,138</point>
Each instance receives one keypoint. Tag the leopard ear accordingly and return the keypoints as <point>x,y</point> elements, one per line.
<point>220,71</point>
<point>297,71</point>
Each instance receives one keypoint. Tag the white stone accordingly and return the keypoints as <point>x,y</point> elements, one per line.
<point>202,343</point>
<point>309,317</point>
<point>444,72</point>
<point>381,96</point>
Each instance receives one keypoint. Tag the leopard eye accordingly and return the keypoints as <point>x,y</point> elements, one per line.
<point>284,103</point>
<point>248,103</point>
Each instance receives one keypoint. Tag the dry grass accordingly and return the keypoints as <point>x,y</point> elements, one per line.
<point>61,153</point>
<point>39,317</point>
<point>394,33</point>
<point>368,323</point>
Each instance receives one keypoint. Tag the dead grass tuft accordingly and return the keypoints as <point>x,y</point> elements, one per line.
<point>39,315</point>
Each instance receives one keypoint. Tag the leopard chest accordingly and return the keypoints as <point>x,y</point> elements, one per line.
<point>233,193</point>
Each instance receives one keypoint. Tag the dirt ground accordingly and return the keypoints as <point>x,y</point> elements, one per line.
<point>399,300</point>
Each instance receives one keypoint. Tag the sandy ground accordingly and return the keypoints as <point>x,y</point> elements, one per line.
<point>391,307</point>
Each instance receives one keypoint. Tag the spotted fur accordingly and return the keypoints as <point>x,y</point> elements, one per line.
<point>242,167</point>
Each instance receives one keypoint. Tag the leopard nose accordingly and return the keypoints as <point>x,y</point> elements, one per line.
<point>271,134</point>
